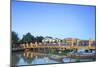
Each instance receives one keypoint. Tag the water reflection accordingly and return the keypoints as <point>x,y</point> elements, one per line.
<point>31,57</point>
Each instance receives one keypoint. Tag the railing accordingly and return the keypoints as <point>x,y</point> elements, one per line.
<point>25,46</point>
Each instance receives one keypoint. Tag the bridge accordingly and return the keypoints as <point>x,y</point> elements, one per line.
<point>56,46</point>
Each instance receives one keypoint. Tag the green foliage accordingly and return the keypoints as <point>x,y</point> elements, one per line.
<point>27,38</point>
<point>55,41</point>
<point>14,39</point>
<point>39,38</point>
<point>30,38</point>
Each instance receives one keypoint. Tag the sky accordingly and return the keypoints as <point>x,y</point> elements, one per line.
<point>55,20</point>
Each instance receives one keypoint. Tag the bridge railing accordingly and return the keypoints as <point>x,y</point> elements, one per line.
<point>33,45</point>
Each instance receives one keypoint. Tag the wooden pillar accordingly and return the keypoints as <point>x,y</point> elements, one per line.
<point>59,43</point>
<point>27,46</point>
<point>31,45</point>
<point>36,44</point>
<point>89,43</point>
<point>72,42</point>
<point>23,45</point>
<point>78,42</point>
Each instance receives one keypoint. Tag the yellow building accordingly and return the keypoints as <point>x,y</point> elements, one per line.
<point>78,42</point>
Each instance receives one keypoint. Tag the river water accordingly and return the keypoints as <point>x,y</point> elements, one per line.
<point>34,58</point>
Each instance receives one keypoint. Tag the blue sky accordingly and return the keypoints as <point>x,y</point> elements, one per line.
<point>56,20</point>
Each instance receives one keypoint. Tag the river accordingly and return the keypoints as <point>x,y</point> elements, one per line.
<point>34,58</point>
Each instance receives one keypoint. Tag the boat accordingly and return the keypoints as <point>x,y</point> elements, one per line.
<point>82,55</point>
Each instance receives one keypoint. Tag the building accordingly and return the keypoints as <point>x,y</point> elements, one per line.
<point>69,41</point>
<point>72,41</point>
<point>78,42</point>
<point>50,40</point>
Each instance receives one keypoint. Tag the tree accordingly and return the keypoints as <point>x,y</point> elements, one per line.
<point>49,37</point>
<point>39,39</point>
<point>55,41</point>
<point>28,38</point>
<point>14,39</point>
